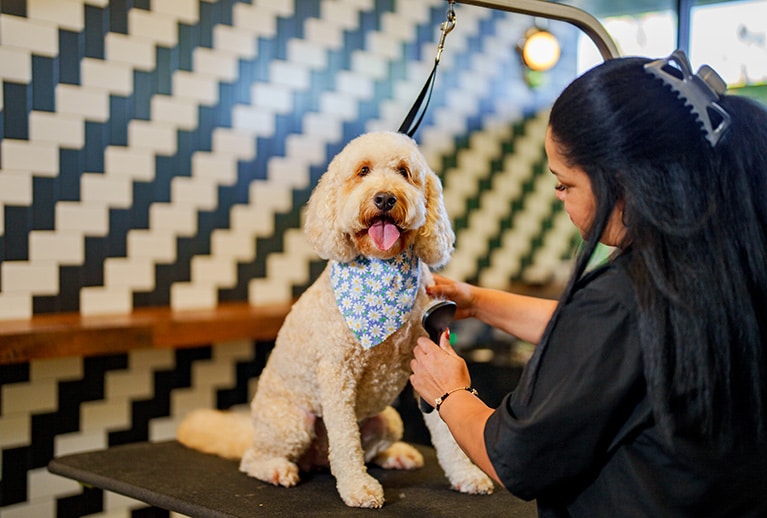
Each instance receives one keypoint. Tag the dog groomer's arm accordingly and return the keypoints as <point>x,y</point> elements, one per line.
<point>519,315</point>
<point>438,370</point>
<point>465,416</point>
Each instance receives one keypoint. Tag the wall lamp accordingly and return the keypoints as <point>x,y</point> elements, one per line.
<point>539,49</point>
<point>554,11</point>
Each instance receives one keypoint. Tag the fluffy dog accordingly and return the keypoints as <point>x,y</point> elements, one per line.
<point>342,355</point>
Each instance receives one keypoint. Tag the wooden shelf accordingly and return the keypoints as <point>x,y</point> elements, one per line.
<point>71,334</point>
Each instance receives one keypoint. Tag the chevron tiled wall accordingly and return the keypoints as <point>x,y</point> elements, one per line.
<point>159,152</point>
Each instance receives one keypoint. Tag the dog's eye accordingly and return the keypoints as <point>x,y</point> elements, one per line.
<point>364,170</point>
<point>403,171</point>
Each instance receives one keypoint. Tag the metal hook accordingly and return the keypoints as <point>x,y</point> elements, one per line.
<point>446,26</point>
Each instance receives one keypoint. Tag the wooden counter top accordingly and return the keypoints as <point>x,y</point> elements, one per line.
<point>71,334</point>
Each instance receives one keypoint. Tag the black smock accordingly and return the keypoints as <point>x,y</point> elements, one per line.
<point>582,440</point>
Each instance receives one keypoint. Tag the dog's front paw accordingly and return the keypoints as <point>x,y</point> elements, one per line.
<point>361,491</point>
<point>399,455</point>
<point>274,470</point>
<point>471,480</point>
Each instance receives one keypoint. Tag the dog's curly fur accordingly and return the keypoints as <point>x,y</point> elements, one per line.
<point>322,398</point>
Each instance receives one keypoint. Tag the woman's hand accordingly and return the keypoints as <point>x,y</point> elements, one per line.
<point>437,369</point>
<point>519,315</point>
<point>458,292</point>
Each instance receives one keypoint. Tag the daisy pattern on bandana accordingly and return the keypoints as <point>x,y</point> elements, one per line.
<point>375,295</point>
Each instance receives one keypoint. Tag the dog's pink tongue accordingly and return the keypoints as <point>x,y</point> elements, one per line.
<point>384,234</point>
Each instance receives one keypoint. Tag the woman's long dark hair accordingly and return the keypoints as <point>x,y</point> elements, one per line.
<point>696,220</point>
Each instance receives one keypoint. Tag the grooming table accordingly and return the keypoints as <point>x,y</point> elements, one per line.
<point>170,476</point>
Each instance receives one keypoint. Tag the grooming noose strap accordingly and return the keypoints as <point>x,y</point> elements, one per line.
<point>418,110</point>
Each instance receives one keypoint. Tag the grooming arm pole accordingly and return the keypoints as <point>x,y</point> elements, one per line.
<point>553,11</point>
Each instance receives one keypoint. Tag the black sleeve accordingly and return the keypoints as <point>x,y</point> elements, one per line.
<point>588,383</point>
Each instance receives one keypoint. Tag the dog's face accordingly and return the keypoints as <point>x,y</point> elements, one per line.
<point>378,198</point>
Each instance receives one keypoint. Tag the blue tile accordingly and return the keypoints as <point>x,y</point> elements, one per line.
<point>163,73</point>
<point>71,52</point>
<point>45,77</point>
<point>143,196</point>
<point>114,244</point>
<point>96,251</point>
<point>227,95</point>
<point>71,167</point>
<point>118,15</point>
<point>18,223</point>
<point>142,94</point>
<point>17,98</point>
<point>95,143</point>
<point>43,208</point>
<point>206,224</point>
<point>368,21</point>
<point>96,26</point>
<point>165,171</point>
<point>384,6</point>
<point>210,15</point>
<point>188,40</point>
<point>246,76</point>
<point>14,7</point>
<point>227,8</point>
<point>185,147</point>
<point>206,122</point>
<point>120,111</point>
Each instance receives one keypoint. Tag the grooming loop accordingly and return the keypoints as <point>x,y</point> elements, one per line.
<point>446,26</point>
<point>418,110</point>
<point>700,91</point>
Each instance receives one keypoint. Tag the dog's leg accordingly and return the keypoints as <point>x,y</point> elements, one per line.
<point>281,433</point>
<point>463,474</point>
<point>347,464</point>
<point>381,436</point>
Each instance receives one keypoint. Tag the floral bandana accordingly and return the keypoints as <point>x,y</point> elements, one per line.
<point>375,295</point>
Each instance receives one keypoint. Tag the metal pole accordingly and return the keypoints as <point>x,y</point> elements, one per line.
<point>553,11</point>
<point>683,8</point>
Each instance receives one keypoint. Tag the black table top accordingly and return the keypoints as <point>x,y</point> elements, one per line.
<point>170,476</point>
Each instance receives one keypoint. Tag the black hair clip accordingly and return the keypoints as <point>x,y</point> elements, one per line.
<point>700,91</point>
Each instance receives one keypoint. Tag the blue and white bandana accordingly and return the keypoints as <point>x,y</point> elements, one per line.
<point>376,295</point>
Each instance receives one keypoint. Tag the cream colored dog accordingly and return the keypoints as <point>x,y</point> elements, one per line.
<point>325,393</point>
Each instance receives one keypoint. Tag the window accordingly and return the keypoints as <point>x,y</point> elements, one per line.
<point>650,34</point>
<point>731,37</point>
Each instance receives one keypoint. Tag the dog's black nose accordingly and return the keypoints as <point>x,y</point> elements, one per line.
<point>385,201</point>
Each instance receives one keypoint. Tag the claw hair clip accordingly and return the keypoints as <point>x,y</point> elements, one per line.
<point>700,91</point>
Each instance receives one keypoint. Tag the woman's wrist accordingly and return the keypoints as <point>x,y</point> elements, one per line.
<point>438,402</point>
<point>457,401</point>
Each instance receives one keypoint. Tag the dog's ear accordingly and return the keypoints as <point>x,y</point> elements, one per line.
<point>321,219</point>
<point>436,238</point>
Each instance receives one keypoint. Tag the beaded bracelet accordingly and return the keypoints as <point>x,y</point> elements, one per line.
<point>438,402</point>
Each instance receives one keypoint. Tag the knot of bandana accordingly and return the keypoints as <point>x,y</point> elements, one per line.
<point>375,295</point>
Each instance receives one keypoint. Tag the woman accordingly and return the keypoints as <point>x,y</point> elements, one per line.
<point>647,392</point>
